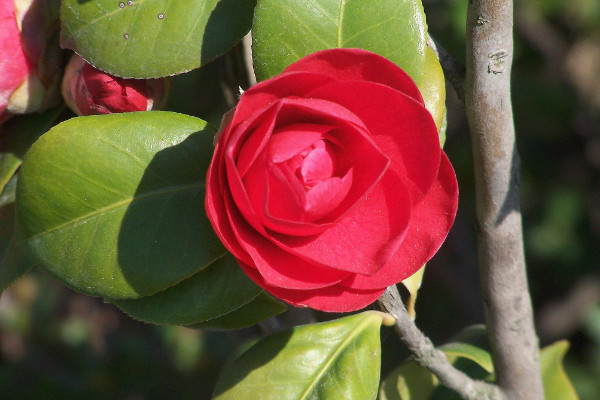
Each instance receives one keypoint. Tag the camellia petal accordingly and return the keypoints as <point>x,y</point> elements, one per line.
<point>358,65</point>
<point>430,223</point>
<point>330,299</point>
<point>365,239</point>
<point>401,127</point>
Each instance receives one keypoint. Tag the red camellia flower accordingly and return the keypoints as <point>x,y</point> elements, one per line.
<point>328,182</point>
<point>89,91</point>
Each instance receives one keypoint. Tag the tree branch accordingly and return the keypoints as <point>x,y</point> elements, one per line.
<point>426,355</point>
<point>507,303</point>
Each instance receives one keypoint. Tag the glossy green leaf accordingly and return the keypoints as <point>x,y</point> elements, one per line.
<point>211,293</point>
<point>13,264</point>
<point>153,38</point>
<point>334,360</point>
<point>18,134</point>
<point>113,205</point>
<point>471,343</point>
<point>287,30</point>
<point>433,90</point>
<point>557,385</point>
<point>261,307</point>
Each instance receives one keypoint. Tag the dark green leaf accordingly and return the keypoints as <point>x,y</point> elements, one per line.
<point>13,263</point>
<point>287,30</point>
<point>113,205</point>
<point>211,293</point>
<point>18,134</point>
<point>261,307</point>
<point>334,360</point>
<point>149,39</point>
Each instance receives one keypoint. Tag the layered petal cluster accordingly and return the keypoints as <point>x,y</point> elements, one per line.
<point>30,57</point>
<point>328,182</point>
<point>90,91</point>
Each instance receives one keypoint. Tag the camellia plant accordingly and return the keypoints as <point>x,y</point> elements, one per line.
<point>322,186</point>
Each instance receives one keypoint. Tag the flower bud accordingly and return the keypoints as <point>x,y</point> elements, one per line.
<point>89,91</point>
<point>30,56</point>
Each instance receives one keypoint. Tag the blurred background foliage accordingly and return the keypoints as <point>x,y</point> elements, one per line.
<point>56,344</point>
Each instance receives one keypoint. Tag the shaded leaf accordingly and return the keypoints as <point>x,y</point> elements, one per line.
<point>113,205</point>
<point>149,39</point>
<point>410,381</point>
<point>261,307</point>
<point>211,293</point>
<point>18,134</point>
<point>557,385</point>
<point>13,264</point>
<point>337,359</point>
<point>286,30</point>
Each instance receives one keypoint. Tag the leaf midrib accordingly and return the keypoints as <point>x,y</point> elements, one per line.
<point>327,365</point>
<point>339,25</point>
<point>124,202</point>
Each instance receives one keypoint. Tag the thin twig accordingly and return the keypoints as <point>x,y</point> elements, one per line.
<point>507,304</point>
<point>426,355</point>
<point>454,71</point>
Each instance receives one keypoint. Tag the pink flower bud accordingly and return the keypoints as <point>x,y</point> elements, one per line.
<point>30,57</point>
<point>88,91</point>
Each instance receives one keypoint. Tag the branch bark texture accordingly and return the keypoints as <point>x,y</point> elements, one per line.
<point>427,356</point>
<point>508,309</point>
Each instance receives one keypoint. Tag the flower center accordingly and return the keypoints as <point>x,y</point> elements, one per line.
<point>307,158</point>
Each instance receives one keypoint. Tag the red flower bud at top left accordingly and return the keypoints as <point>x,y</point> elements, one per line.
<point>88,91</point>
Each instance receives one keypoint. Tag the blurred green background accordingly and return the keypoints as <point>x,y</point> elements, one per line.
<point>57,344</point>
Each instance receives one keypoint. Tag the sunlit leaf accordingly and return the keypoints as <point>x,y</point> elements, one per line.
<point>557,385</point>
<point>152,38</point>
<point>433,89</point>
<point>113,205</point>
<point>471,343</point>
<point>287,30</point>
<point>334,360</point>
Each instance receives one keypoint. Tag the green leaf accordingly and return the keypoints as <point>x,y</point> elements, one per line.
<point>153,38</point>
<point>408,382</point>
<point>286,30</point>
<point>211,293</point>
<point>471,343</point>
<point>334,360</point>
<point>557,385</point>
<point>18,134</point>
<point>468,352</point>
<point>433,90</point>
<point>113,205</point>
<point>413,284</point>
<point>13,264</point>
<point>261,307</point>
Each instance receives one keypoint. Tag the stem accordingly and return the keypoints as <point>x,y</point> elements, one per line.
<point>426,355</point>
<point>507,303</point>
